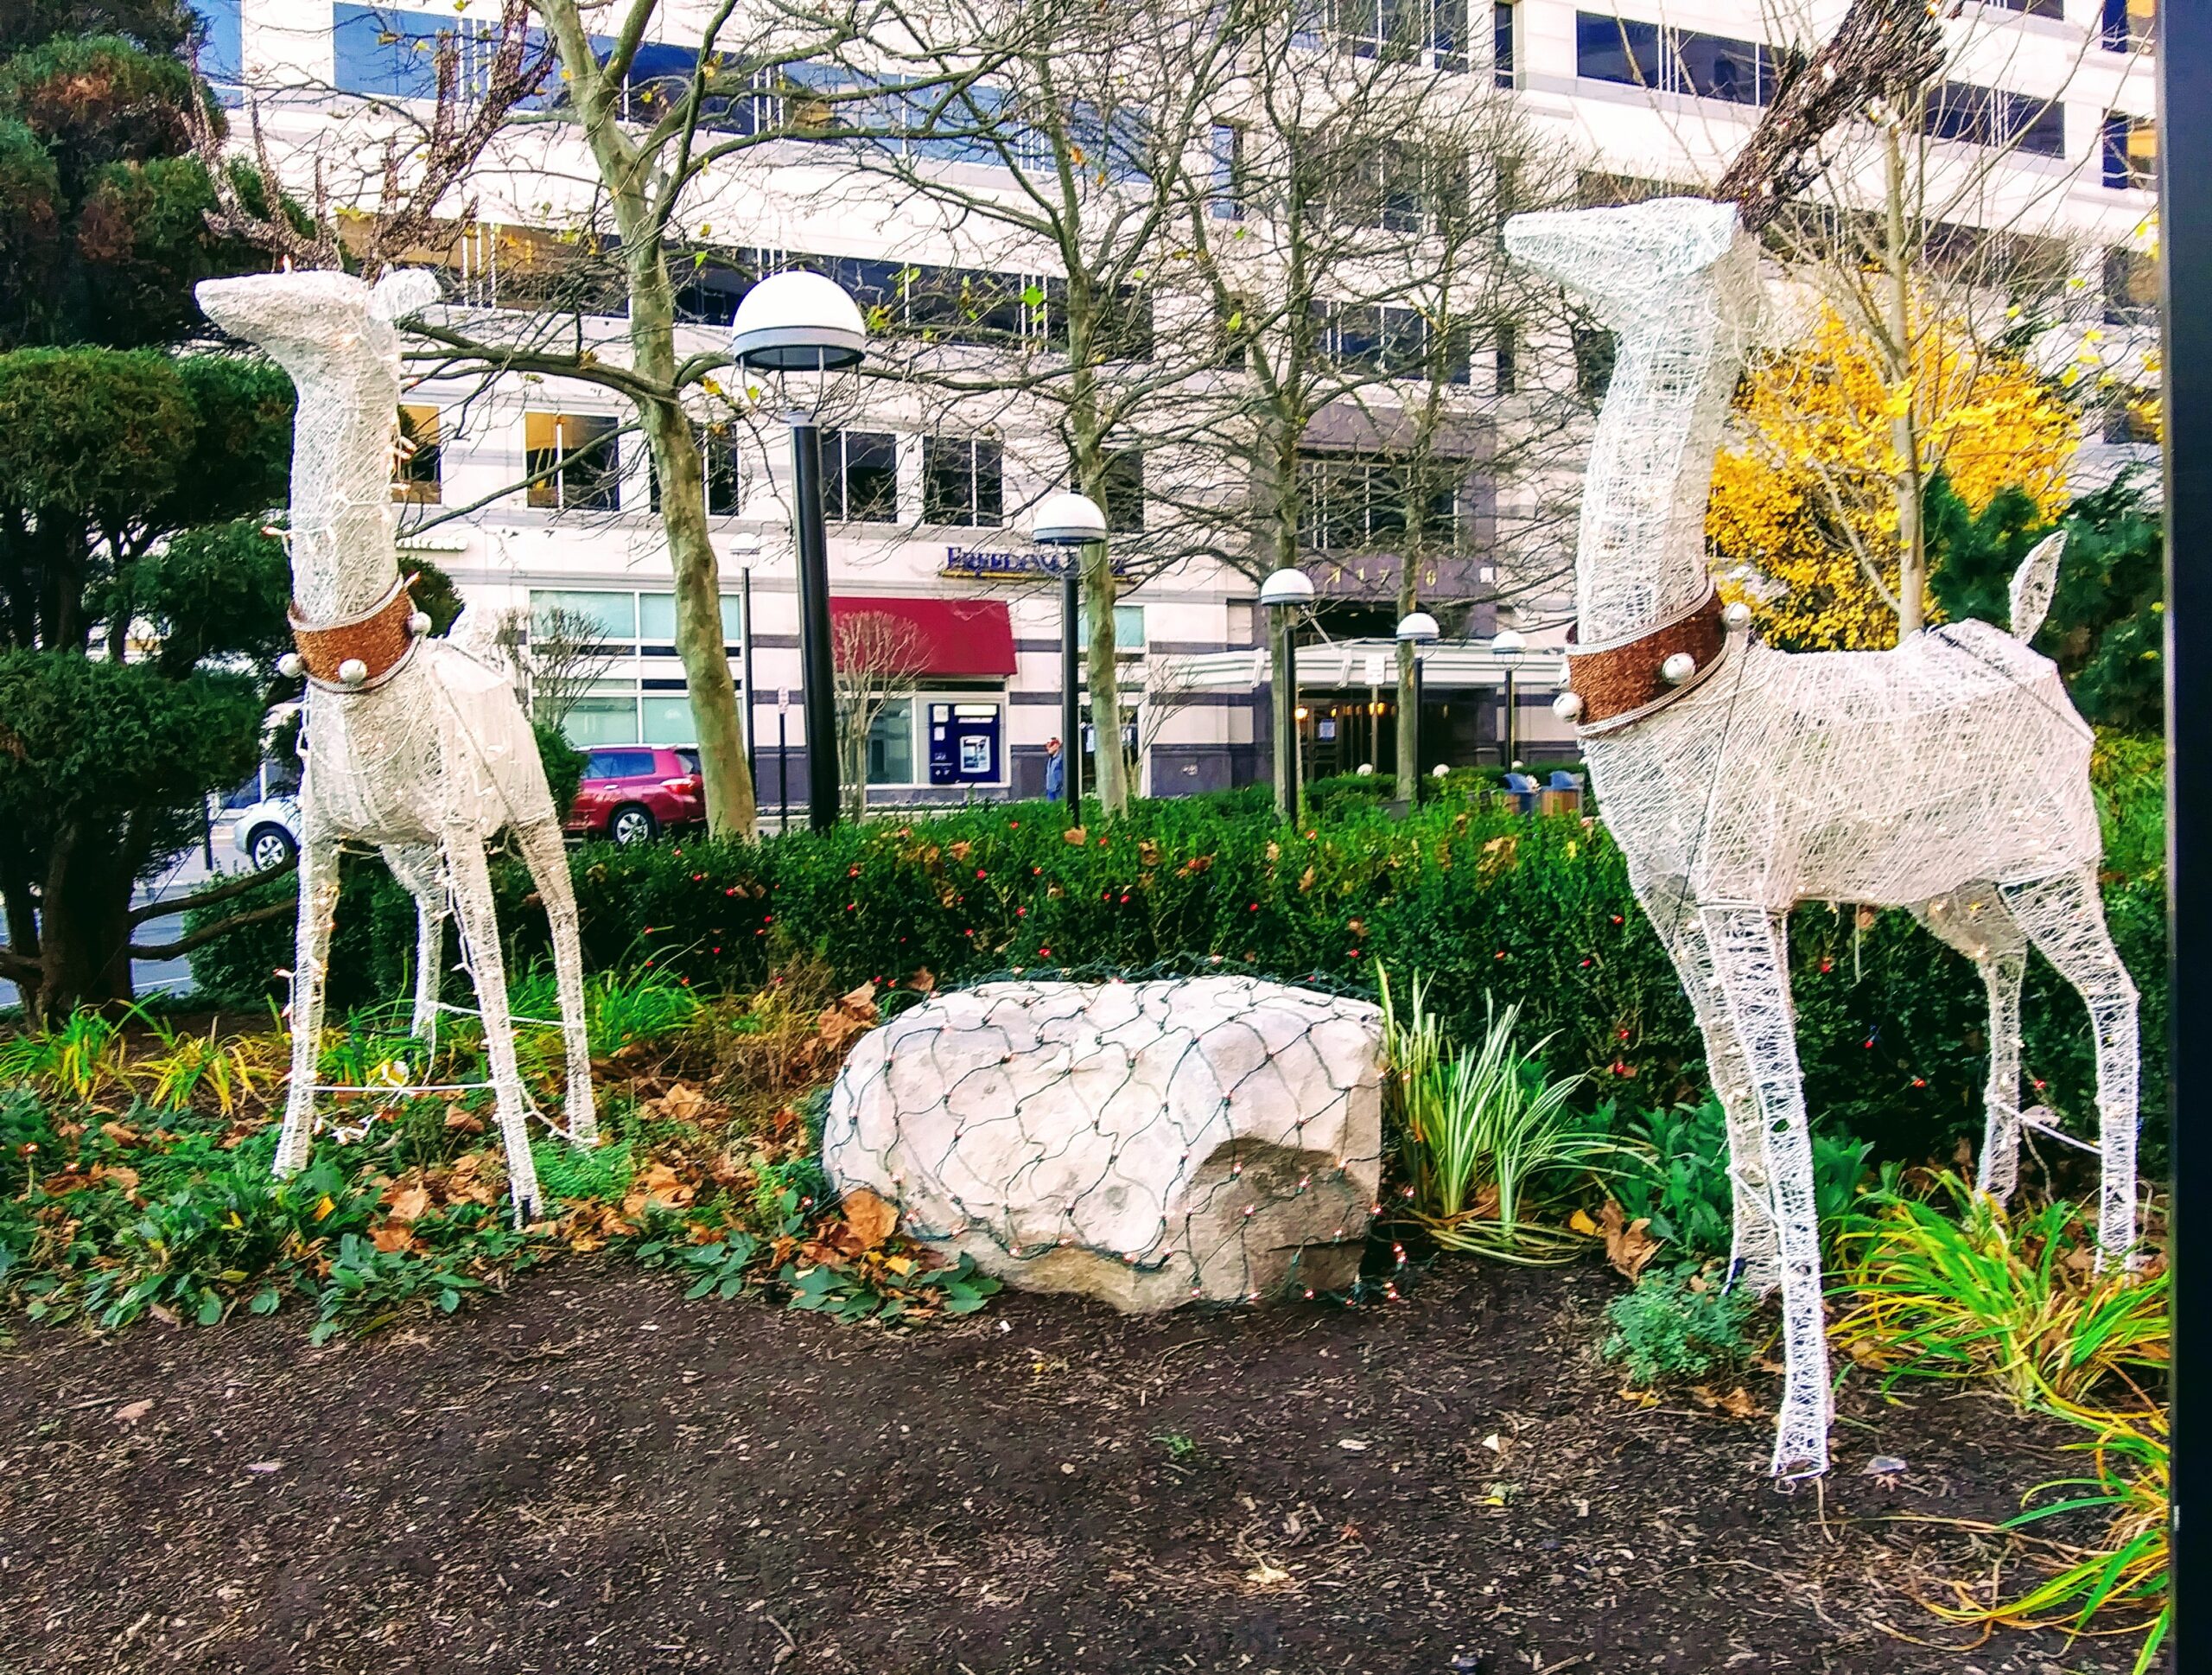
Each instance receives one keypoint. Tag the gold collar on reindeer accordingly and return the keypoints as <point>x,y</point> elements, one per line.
<point>358,652</point>
<point>1610,687</point>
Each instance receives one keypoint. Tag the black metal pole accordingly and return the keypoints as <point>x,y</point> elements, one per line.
<point>817,670</point>
<point>752,709</point>
<point>1071,706</point>
<point>783,767</point>
<point>1512,716</point>
<point>1419,695</point>
<point>2184,60</point>
<point>1292,781</point>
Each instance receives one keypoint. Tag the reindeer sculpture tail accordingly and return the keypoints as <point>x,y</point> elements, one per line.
<point>2033,584</point>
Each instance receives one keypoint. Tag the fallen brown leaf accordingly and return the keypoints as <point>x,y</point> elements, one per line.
<point>1628,1247</point>
<point>131,1412</point>
<point>410,1204</point>
<point>872,1220</point>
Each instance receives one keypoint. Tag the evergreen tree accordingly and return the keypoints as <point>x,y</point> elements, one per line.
<point>138,596</point>
<point>2106,627</point>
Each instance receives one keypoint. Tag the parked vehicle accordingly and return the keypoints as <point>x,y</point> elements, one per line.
<point>268,832</point>
<point>634,793</point>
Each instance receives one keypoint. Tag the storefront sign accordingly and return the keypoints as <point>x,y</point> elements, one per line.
<point>980,563</point>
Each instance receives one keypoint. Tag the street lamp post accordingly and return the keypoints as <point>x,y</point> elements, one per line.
<point>1070,522</point>
<point>746,550</point>
<point>1283,594</point>
<point>1415,630</point>
<point>1509,647</point>
<point>791,324</point>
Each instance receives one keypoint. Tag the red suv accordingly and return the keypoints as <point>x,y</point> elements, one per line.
<point>634,793</point>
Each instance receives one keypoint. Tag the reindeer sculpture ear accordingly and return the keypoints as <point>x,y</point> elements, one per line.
<point>403,291</point>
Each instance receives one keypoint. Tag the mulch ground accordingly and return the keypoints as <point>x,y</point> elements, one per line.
<point>593,1474</point>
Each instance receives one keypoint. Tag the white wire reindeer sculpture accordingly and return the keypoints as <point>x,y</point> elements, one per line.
<point>409,743</point>
<point>1949,776</point>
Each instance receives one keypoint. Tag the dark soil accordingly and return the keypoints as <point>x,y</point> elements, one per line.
<point>595,1476</point>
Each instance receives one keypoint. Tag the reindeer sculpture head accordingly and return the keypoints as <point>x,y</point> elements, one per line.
<point>1676,283</point>
<point>336,335</point>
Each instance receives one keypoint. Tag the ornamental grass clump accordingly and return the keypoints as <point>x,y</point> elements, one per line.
<point>1483,1135</point>
<point>2013,1296</point>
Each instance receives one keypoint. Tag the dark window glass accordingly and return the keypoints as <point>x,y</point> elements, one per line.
<point>961,481</point>
<point>1713,66</point>
<point>1447,34</point>
<point>1501,44</point>
<point>878,287</point>
<point>2131,288</point>
<point>574,461</point>
<point>1460,354</point>
<point>859,470</point>
<point>717,471</point>
<point>2035,125</point>
<point>1959,110</point>
<point>1615,50</point>
<point>1506,351</point>
<point>618,765</point>
<point>1227,199</point>
<point>2131,154</point>
<point>1593,363</point>
<point>709,287</point>
<point>1121,491</point>
<point>418,472</point>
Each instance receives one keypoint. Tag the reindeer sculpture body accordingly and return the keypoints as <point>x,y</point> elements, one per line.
<point>411,744</point>
<point>1949,776</point>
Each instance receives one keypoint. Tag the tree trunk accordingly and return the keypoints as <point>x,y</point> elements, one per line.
<point>628,178</point>
<point>84,929</point>
<point>1905,430</point>
<point>699,639</point>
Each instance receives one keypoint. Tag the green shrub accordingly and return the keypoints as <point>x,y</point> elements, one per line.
<point>1538,911</point>
<point>1667,1331</point>
<point>1674,1173</point>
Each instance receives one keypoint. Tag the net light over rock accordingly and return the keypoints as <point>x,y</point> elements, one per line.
<point>1145,1143</point>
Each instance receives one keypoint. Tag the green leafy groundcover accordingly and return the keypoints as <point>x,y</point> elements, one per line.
<point>1891,1024</point>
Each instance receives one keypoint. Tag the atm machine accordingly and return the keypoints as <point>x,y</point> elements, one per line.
<point>964,742</point>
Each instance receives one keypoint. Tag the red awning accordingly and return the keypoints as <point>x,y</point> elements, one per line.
<point>951,636</point>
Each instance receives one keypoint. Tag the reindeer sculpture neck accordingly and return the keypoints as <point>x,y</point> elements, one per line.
<point>1674,282</point>
<point>333,334</point>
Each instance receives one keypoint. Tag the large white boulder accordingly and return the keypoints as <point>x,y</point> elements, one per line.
<point>1145,1143</point>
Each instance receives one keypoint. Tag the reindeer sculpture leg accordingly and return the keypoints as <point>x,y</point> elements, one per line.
<point>479,936</point>
<point>2064,918</point>
<point>420,868</point>
<point>1749,959</point>
<point>311,965</point>
<point>1975,921</point>
<point>546,856</point>
<point>1756,1260</point>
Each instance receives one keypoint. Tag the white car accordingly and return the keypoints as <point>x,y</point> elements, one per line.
<point>268,832</point>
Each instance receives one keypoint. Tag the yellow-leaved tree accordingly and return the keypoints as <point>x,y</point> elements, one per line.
<point>1829,451</point>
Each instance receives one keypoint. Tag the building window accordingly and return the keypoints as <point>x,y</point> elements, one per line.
<point>2129,24</point>
<point>1505,352</point>
<point>1594,362</point>
<point>2031,8</point>
<point>891,744</point>
<point>1608,49</point>
<point>417,461</point>
<point>1121,490</point>
<point>574,461</point>
<point>1352,502</point>
<point>1971,115</point>
<point>221,57</point>
<point>1402,31</point>
<point>1501,44</point>
<point>2131,288</point>
<point>2131,419</point>
<point>2131,154</point>
<point>717,470</point>
<point>1226,201</point>
<point>961,481</point>
<point>860,472</point>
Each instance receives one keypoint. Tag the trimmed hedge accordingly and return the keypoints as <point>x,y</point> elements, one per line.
<point>1892,1025</point>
